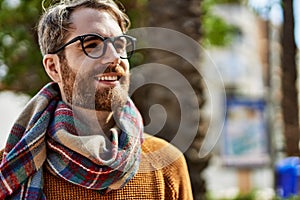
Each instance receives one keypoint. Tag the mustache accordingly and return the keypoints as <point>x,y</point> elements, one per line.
<point>107,69</point>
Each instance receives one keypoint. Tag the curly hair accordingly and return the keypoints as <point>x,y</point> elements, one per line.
<point>55,23</point>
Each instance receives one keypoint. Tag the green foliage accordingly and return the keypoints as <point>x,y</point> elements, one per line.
<point>18,46</point>
<point>248,196</point>
<point>136,10</point>
<point>216,31</point>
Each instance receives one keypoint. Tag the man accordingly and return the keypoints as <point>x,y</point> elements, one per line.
<point>81,136</point>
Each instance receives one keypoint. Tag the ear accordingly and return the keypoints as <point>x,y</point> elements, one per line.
<point>52,67</point>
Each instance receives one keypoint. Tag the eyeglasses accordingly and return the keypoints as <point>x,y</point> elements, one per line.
<point>95,45</point>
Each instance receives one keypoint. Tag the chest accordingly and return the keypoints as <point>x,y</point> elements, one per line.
<point>150,185</point>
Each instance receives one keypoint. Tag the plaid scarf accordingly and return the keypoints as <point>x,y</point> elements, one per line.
<point>48,134</point>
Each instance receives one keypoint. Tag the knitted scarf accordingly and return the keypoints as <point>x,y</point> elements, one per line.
<point>48,134</point>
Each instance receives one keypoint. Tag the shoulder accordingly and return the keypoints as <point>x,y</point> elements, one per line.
<point>153,143</point>
<point>157,154</point>
<point>168,163</point>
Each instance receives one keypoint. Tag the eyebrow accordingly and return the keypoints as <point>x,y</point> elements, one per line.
<point>90,38</point>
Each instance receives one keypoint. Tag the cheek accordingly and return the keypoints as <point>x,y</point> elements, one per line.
<point>77,64</point>
<point>75,58</point>
<point>125,63</point>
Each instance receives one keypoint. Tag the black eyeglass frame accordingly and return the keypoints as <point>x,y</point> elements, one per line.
<point>104,39</point>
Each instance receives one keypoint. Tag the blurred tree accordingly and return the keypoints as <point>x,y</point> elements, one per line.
<point>289,103</point>
<point>182,16</point>
<point>215,31</point>
<point>21,68</point>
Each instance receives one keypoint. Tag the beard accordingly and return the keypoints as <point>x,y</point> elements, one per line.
<point>80,90</point>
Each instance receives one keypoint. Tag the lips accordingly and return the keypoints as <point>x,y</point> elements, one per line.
<point>111,74</point>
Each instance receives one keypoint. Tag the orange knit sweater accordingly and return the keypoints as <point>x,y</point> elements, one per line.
<point>162,174</point>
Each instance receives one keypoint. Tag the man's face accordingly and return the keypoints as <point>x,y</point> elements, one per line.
<point>100,84</point>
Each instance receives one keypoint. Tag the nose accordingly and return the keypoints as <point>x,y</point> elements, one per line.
<point>111,55</point>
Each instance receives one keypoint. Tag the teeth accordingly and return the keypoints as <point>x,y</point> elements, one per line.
<point>108,78</point>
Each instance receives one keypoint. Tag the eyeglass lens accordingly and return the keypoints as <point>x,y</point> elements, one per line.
<point>95,47</point>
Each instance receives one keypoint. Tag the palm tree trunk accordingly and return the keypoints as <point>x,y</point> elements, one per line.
<point>289,76</point>
<point>182,16</point>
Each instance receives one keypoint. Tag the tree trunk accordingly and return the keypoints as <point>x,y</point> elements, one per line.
<point>182,16</point>
<point>289,76</point>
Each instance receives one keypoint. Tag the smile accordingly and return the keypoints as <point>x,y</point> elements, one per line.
<point>107,78</point>
<point>111,74</point>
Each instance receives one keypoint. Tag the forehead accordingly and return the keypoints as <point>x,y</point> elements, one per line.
<point>88,20</point>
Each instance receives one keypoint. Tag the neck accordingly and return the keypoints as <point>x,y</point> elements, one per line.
<point>98,122</point>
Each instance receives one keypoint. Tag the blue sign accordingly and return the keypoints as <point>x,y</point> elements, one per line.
<point>245,141</point>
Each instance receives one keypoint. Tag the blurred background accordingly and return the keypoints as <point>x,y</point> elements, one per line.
<point>253,44</point>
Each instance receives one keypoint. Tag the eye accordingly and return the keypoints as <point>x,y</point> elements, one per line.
<point>92,42</point>
<point>120,44</point>
<point>91,45</point>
